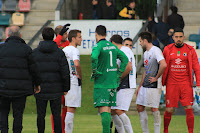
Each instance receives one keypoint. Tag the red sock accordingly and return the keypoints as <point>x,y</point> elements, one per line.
<point>190,119</point>
<point>52,124</point>
<point>64,111</point>
<point>167,119</point>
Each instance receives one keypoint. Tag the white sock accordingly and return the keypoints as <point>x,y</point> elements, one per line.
<point>157,121</point>
<point>126,122</point>
<point>69,122</point>
<point>144,121</point>
<point>118,124</point>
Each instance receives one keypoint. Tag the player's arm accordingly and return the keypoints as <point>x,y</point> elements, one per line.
<point>78,69</point>
<point>124,60</point>
<point>123,13</point>
<point>196,67</point>
<point>142,80</point>
<point>94,58</point>
<point>162,67</point>
<point>127,70</point>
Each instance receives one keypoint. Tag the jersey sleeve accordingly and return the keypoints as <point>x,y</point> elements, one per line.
<point>158,55</point>
<point>94,57</point>
<point>76,55</point>
<point>124,60</point>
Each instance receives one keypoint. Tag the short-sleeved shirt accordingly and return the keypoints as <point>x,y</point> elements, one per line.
<point>151,64</point>
<point>130,80</point>
<point>72,54</point>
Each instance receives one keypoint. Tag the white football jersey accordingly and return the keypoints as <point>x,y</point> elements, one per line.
<point>130,80</point>
<point>72,54</point>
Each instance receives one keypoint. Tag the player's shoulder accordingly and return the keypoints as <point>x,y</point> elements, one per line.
<point>126,50</point>
<point>189,46</point>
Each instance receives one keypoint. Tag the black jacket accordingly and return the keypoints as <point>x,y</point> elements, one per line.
<point>18,75</point>
<point>109,12</point>
<point>54,70</point>
<point>175,20</point>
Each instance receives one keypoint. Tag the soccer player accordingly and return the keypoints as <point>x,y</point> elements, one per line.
<point>149,91</point>
<point>73,97</point>
<point>128,42</point>
<point>106,75</point>
<point>62,42</point>
<point>61,36</point>
<point>181,61</point>
<point>125,90</point>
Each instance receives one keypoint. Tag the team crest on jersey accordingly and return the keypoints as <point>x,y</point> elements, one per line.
<point>150,57</point>
<point>184,54</point>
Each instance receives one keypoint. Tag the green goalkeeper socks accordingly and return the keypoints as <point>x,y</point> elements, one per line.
<point>106,119</point>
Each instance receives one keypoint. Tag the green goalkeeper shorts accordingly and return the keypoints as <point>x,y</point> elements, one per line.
<point>104,97</point>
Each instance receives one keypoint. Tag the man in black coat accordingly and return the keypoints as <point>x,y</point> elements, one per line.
<point>18,76</point>
<point>54,71</point>
<point>175,20</point>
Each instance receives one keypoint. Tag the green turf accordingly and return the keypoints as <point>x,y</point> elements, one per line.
<point>92,124</point>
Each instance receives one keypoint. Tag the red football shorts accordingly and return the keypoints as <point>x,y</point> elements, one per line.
<point>174,93</point>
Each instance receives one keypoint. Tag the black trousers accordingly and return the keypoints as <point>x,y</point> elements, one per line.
<point>41,113</point>
<point>18,105</point>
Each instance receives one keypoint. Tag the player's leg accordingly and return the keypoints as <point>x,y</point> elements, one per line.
<point>69,119</point>
<point>56,111</point>
<point>157,119</point>
<point>172,99</point>
<point>143,118</point>
<point>189,118</point>
<point>72,101</point>
<point>125,120</point>
<point>52,124</point>
<point>63,114</point>
<point>118,122</point>
<point>187,101</point>
<point>105,118</point>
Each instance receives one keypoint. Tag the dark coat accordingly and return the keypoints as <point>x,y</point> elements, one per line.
<point>54,70</point>
<point>175,20</point>
<point>18,75</point>
<point>109,12</point>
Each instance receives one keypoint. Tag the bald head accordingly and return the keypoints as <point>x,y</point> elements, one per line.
<point>14,31</point>
<point>58,29</point>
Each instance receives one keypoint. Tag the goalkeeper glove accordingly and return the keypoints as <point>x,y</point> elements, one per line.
<point>64,29</point>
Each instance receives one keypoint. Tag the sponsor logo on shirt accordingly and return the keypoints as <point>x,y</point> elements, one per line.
<point>171,53</point>
<point>178,61</point>
<point>111,70</point>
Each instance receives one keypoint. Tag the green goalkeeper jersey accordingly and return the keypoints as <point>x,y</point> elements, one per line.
<point>104,64</point>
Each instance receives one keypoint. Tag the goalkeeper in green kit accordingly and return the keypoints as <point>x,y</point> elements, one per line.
<point>106,75</point>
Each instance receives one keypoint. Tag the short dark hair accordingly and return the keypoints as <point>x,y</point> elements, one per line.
<point>101,30</point>
<point>178,29</point>
<point>128,39</point>
<point>110,1</point>
<point>130,1</point>
<point>48,33</point>
<point>73,33</point>
<point>117,39</point>
<point>174,9</point>
<point>146,35</point>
